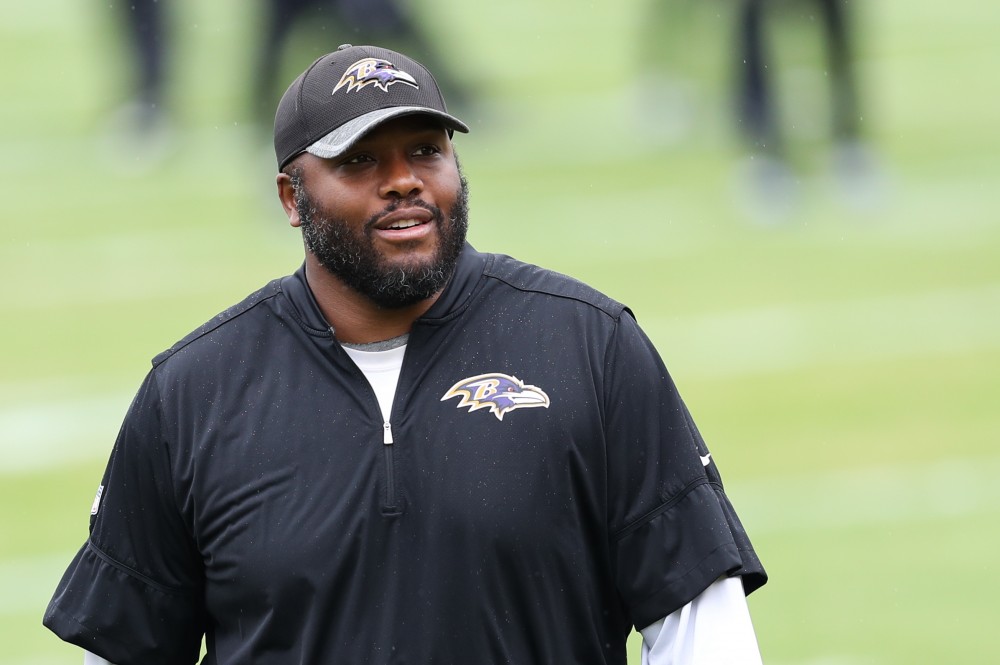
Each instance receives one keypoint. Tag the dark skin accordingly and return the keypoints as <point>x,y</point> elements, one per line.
<point>404,158</point>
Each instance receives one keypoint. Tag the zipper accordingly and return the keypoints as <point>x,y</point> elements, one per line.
<point>389,506</point>
<point>390,473</point>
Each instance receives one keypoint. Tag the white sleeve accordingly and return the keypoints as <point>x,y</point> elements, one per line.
<point>713,629</point>
<point>91,659</point>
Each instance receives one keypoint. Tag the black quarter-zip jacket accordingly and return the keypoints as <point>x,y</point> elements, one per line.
<point>539,489</point>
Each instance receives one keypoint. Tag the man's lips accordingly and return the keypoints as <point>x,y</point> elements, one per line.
<point>404,218</point>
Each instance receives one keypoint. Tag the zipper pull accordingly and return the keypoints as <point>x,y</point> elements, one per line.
<point>387,433</point>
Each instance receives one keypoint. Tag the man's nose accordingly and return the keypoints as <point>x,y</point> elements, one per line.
<point>399,179</point>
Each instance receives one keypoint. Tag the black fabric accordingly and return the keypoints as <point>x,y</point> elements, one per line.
<point>252,496</point>
<point>134,592</point>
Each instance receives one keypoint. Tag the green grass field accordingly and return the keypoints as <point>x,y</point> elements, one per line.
<point>843,365</point>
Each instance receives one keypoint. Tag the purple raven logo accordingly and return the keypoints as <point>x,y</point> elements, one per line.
<point>499,393</point>
<point>373,71</point>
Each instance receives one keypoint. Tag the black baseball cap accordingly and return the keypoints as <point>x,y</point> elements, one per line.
<point>345,94</point>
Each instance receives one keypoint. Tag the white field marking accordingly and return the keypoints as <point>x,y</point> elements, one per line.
<point>897,494</point>
<point>41,435</point>
<point>61,18</point>
<point>790,337</point>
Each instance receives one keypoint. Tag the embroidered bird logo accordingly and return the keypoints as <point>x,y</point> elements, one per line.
<point>373,71</point>
<point>500,393</point>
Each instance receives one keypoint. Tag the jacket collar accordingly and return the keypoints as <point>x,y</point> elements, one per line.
<point>468,272</point>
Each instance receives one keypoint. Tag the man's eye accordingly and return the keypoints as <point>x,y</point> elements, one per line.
<point>356,159</point>
<point>427,150</point>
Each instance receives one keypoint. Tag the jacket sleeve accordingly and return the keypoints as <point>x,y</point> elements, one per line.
<point>674,531</point>
<point>133,593</point>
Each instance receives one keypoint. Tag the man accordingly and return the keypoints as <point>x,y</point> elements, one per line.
<point>768,170</point>
<point>407,451</point>
<point>757,101</point>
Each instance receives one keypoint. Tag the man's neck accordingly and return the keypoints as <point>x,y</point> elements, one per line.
<point>354,317</point>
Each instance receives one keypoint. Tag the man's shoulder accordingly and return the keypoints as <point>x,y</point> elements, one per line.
<point>222,319</point>
<point>528,277</point>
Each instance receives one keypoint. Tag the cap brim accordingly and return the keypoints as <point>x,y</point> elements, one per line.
<point>339,140</point>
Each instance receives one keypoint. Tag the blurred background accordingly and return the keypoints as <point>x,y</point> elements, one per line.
<point>795,203</point>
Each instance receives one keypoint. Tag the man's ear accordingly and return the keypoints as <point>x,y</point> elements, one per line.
<point>286,194</point>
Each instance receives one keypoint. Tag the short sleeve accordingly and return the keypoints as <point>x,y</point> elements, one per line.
<point>674,531</point>
<point>134,591</point>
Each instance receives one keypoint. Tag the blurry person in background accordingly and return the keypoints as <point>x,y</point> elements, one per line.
<point>139,134</point>
<point>771,181</point>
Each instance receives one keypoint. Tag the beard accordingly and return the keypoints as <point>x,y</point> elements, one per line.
<point>350,254</point>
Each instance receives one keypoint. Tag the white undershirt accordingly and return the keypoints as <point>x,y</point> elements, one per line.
<point>713,629</point>
<point>381,368</point>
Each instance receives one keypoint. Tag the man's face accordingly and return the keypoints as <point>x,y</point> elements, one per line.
<point>389,217</point>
